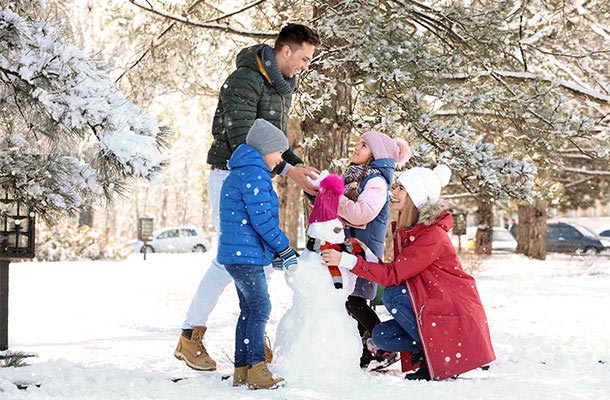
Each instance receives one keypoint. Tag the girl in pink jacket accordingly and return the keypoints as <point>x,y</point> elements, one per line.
<point>365,208</point>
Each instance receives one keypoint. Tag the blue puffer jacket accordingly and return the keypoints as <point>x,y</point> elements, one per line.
<point>249,221</point>
<point>374,233</point>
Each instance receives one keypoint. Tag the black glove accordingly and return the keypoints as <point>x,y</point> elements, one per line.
<point>310,197</point>
<point>278,169</point>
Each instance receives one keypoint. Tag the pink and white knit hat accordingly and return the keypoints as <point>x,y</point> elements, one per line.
<point>383,146</point>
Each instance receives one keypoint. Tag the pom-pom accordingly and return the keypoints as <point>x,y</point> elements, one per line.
<point>443,173</point>
<point>333,183</point>
<point>404,152</point>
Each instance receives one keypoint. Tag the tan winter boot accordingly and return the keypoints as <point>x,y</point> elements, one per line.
<point>259,377</point>
<point>240,376</point>
<point>193,352</point>
<point>268,351</point>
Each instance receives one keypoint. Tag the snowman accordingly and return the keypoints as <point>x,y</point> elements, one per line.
<point>316,339</point>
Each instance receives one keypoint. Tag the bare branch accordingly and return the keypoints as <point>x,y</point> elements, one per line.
<point>205,25</point>
<point>230,14</point>
<point>587,172</point>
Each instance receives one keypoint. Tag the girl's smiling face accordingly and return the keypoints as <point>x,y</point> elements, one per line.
<point>362,152</point>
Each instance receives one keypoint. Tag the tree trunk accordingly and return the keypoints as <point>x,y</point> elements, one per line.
<point>85,215</point>
<point>532,229</point>
<point>484,221</point>
<point>164,205</point>
<point>289,193</point>
<point>332,124</point>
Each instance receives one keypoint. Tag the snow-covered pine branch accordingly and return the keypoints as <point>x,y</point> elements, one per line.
<point>66,133</point>
<point>520,75</point>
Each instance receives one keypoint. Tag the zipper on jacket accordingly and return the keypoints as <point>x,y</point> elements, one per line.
<point>284,128</point>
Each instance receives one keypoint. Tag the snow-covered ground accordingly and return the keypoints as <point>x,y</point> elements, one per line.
<point>107,330</point>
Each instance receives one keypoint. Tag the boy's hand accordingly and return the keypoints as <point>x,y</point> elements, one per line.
<point>289,258</point>
<point>277,263</point>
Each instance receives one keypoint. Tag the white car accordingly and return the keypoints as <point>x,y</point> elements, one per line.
<point>604,233</point>
<point>182,239</point>
<point>502,239</point>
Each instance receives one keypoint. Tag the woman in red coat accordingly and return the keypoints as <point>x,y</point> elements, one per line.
<point>436,306</point>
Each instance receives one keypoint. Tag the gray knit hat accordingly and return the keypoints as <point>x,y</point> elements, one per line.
<point>266,137</point>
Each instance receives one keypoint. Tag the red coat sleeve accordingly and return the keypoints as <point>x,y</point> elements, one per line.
<point>414,257</point>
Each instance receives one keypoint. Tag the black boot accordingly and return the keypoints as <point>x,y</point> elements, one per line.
<point>385,358</point>
<point>423,373</point>
<point>367,355</point>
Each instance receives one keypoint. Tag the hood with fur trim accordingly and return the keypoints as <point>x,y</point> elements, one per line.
<point>435,213</point>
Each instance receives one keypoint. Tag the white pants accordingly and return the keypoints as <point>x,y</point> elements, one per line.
<point>216,278</point>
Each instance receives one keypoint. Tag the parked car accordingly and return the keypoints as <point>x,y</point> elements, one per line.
<point>564,237</point>
<point>605,233</point>
<point>502,239</point>
<point>182,239</point>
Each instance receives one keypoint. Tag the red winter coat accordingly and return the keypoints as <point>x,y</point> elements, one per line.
<point>450,317</point>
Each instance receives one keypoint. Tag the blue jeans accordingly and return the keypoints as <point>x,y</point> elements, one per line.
<point>400,333</point>
<point>255,308</point>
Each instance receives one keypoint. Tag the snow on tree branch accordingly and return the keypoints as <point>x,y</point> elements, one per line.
<point>66,133</point>
<point>519,75</point>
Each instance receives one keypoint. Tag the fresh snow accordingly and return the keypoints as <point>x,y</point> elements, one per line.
<point>107,330</point>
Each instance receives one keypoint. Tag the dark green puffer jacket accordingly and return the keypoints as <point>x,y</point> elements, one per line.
<point>246,95</point>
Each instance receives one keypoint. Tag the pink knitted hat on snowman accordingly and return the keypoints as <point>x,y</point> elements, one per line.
<point>324,221</point>
<point>383,146</point>
<point>326,206</point>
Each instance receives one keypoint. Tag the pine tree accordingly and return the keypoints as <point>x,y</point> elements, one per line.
<point>462,84</point>
<point>67,135</point>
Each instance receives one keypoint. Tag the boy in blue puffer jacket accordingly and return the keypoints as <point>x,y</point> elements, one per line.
<point>250,239</point>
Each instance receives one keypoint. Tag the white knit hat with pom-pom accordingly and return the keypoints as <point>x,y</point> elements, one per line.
<point>424,184</point>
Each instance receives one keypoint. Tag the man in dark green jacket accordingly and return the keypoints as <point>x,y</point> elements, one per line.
<point>260,87</point>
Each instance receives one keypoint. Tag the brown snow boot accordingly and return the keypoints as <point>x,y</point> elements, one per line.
<point>268,351</point>
<point>193,352</point>
<point>240,376</point>
<point>259,377</point>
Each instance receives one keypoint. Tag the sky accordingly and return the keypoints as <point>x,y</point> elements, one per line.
<point>107,330</point>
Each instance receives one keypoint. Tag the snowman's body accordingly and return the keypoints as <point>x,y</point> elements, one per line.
<point>316,337</point>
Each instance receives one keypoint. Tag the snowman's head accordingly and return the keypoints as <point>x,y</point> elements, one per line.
<point>330,231</point>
